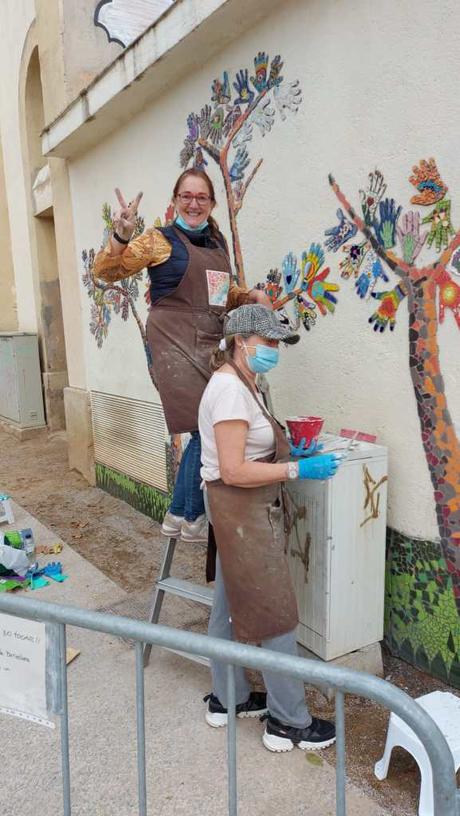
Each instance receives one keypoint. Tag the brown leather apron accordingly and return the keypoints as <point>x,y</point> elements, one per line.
<point>183,328</point>
<point>250,530</point>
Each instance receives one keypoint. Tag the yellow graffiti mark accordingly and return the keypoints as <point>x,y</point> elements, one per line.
<point>372,497</point>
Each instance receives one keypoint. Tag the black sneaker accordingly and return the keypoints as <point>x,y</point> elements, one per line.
<point>279,737</point>
<point>216,714</point>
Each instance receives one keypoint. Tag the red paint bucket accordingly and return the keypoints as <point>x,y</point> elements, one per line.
<point>303,427</point>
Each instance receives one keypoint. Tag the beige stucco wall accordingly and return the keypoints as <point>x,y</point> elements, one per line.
<point>32,238</point>
<point>366,77</point>
<point>8,316</point>
<point>17,18</point>
<point>72,50</point>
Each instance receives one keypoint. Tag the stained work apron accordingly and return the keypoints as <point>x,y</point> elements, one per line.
<point>250,530</point>
<point>183,328</point>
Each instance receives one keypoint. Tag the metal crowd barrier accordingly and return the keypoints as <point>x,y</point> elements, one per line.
<point>446,799</point>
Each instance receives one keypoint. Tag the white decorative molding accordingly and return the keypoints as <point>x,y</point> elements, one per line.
<point>42,191</point>
<point>125,20</point>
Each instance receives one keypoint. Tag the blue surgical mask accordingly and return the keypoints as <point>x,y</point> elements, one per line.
<point>183,224</point>
<point>265,358</point>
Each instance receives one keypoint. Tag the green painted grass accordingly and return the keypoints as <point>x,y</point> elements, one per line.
<point>422,624</point>
<point>143,497</point>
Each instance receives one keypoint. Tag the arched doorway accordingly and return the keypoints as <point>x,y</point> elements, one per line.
<point>43,246</point>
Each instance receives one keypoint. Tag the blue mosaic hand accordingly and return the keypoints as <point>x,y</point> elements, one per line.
<point>239,165</point>
<point>385,228</point>
<point>290,272</point>
<point>339,234</point>
<point>241,85</point>
<point>260,68</point>
<point>372,270</point>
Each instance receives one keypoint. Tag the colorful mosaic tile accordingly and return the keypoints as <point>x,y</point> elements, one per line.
<point>422,625</point>
<point>428,290</point>
<point>224,131</point>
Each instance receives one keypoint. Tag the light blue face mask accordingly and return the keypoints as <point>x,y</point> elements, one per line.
<point>265,358</point>
<point>181,223</point>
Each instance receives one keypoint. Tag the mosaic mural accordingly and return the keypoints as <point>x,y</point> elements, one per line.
<point>108,299</point>
<point>223,130</point>
<point>392,243</point>
<point>378,252</point>
<point>421,620</point>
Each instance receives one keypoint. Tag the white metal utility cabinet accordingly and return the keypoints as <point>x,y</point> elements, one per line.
<point>21,396</point>
<point>337,553</point>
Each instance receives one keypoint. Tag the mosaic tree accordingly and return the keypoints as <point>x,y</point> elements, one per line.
<point>223,131</point>
<point>430,291</point>
<point>111,298</point>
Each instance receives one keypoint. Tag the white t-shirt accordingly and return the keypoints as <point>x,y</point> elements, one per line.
<point>227,397</point>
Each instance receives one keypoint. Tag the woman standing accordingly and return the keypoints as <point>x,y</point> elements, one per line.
<point>191,288</point>
<point>245,461</point>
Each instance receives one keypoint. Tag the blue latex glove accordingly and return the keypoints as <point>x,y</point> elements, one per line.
<point>301,450</point>
<point>318,467</point>
<point>338,235</point>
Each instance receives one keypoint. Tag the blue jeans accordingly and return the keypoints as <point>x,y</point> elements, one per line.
<point>187,498</point>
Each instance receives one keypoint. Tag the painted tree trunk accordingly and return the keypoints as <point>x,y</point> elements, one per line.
<point>237,253</point>
<point>441,446</point>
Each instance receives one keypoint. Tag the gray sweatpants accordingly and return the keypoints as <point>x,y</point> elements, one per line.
<point>285,695</point>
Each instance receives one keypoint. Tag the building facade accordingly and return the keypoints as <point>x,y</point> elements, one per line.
<point>330,130</point>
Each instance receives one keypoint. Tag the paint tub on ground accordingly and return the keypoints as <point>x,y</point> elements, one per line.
<point>306,428</point>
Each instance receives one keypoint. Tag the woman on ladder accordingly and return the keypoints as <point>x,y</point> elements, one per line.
<point>245,457</point>
<point>191,288</point>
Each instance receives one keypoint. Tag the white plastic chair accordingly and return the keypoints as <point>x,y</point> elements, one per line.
<point>6,511</point>
<point>444,708</point>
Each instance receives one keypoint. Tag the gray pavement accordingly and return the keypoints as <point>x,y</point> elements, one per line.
<point>186,760</point>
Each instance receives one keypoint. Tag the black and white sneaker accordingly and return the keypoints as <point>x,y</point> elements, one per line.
<point>216,714</point>
<point>279,737</point>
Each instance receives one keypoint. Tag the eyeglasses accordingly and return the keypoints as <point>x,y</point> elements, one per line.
<point>187,198</point>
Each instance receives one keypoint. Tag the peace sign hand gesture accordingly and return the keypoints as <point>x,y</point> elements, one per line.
<point>124,220</point>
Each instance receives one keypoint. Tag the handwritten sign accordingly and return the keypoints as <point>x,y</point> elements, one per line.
<point>23,669</point>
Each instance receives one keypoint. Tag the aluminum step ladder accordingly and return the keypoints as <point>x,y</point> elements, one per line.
<point>167,583</point>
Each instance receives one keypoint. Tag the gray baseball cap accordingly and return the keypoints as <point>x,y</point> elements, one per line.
<point>253,318</point>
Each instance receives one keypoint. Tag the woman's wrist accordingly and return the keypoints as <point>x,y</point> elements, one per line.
<point>121,239</point>
<point>292,470</point>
